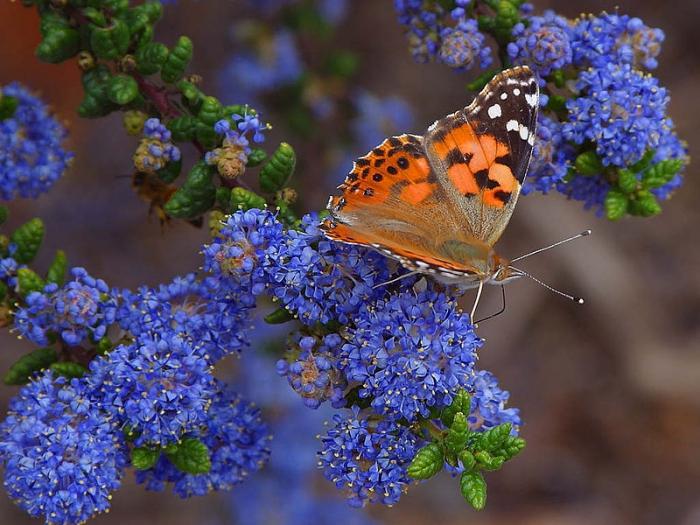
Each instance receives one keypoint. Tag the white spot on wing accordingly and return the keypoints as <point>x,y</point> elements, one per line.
<point>531,139</point>
<point>504,96</point>
<point>531,99</point>
<point>495,111</point>
<point>516,92</point>
<point>524,133</point>
<point>512,125</point>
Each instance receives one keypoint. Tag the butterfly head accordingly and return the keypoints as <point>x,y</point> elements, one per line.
<point>502,271</point>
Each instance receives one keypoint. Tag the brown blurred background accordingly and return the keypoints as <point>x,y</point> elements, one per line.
<point>610,391</point>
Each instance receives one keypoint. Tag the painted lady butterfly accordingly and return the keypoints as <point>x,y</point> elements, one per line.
<point>438,203</point>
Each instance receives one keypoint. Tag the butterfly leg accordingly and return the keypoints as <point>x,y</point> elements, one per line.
<point>476,301</point>
<point>503,307</point>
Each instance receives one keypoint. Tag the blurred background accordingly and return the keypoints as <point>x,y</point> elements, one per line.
<point>609,391</point>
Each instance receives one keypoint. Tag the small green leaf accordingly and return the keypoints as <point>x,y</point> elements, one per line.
<point>26,366</point>
<point>588,163</point>
<point>57,270</point>
<point>177,61</point>
<point>110,43</point>
<point>493,439</point>
<point>342,64</point>
<point>242,199</point>
<point>646,204</point>
<point>170,171</point>
<point>122,89</point>
<point>510,448</point>
<point>69,369</point>
<point>662,173</point>
<point>457,435</point>
<point>480,82</point>
<point>190,456</point>
<point>8,105</point>
<point>150,57</point>
<point>3,214</point>
<point>182,128</point>
<point>257,156</point>
<point>467,459</point>
<point>279,316</point>
<point>196,196</point>
<point>276,172</point>
<point>644,162</point>
<point>428,461</point>
<point>28,239</point>
<point>143,458</point>
<point>59,44</point>
<point>616,204</point>
<point>473,488</point>
<point>28,281</point>
<point>462,402</point>
<point>486,461</point>
<point>627,181</point>
<point>104,345</point>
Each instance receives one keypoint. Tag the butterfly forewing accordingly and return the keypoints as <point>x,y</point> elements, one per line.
<point>481,153</point>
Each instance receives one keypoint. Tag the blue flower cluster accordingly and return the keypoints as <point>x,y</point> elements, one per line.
<point>449,37</point>
<point>32,157</point>
<point>597,94</point>
<point>404,349</point>
<point>156,148</point>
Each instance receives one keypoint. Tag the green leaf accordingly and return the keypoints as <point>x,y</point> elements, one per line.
<point>646,204</point>
<point>473,488</point>
<point>59,44</point>
<point>28,281</point>
<point>190,456</point>
<point>627,181</point>
<point>28,239</point>
<point>177,61</point>
<point>662,173</point>
<point>276,172</point>
<point>616,204</point>
<point>462,402</point>
<point>457,435</point>
<point>57,270</point>
<point>122,89</point>
<point>170,171</point>
<point>510,448</point>
<point>557,104</point>
<point>196,195</point>
<point>8,105</point>
<point>428,461</point>
<point>104,345</point>
<point>3,214</point>
<point>257,156</point>
<point>110,43</point>
<point>69,369</point>
<point>182,128</point>
<point>486,461</point>
<point>493,439</point>
<point>210,112</point>
<point>143,458</point>
<point>588,163</point>
<point>480,82</point>
<point>26,366</point>
<point>342,64</point>
<point>644,162</point>
<point>150,57</point>
<point>467,459</point>
<point>242,199</point>
<point>279,316</point>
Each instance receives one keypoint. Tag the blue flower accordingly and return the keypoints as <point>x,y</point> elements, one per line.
<point>312,371</point>
<point>410,352</point>
<point>156,148</point>
<point>159,387</point>
<point>551,157</point>
<point>368,460</point>
<point>63,457</point>
<point>236,255</point>
<point>621,110</point>
<point>32,158</point>
<point>319,280</point>
<point>378,118</point>
<point>462,47</point>
<point>237,440</point>
<point>670,147</point>
<point>488,407</point>
<point>81,308</point>
<point>599,40</point>
<point>591,190</point>
<point>544,43</point>
<point>202,310</point>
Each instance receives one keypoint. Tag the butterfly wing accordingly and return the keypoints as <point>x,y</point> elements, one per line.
<point>480,154</point>
<point>392,201</point>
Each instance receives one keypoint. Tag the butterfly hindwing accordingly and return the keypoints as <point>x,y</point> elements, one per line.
<point>481,153</point>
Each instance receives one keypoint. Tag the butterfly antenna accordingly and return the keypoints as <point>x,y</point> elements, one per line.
<point>577,300</point>
<point>563,241</point>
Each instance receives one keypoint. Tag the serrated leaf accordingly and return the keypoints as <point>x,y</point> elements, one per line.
<point>243,199</point>
<point>28,239</point>
<point>69,369</point>
<point>143,458</point>
<point>467,459</point>
<point>662,173</point>
<point>588,163</point>
<point>644,162</point>
<point>427,462</point>
<point>26,366</point>
<point>627,181</point>
<point>510,448</point>
<point>276,172</point>
<point>28,281</point>
<point>647,204</point>
<point>473,488</point>
<point>122,89</point>
<point>257,156</point>
<point>616,205</point>
<point>493,439</point>
<point>57,270</point>
<point>458,434</point>
<point>461,403</point>
<point>190,456</point>
<point>486,461</point>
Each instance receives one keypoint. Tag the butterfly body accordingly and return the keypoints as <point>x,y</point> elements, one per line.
<point>438,203</point>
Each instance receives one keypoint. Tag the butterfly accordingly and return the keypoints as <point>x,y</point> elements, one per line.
<point>439,203</point>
